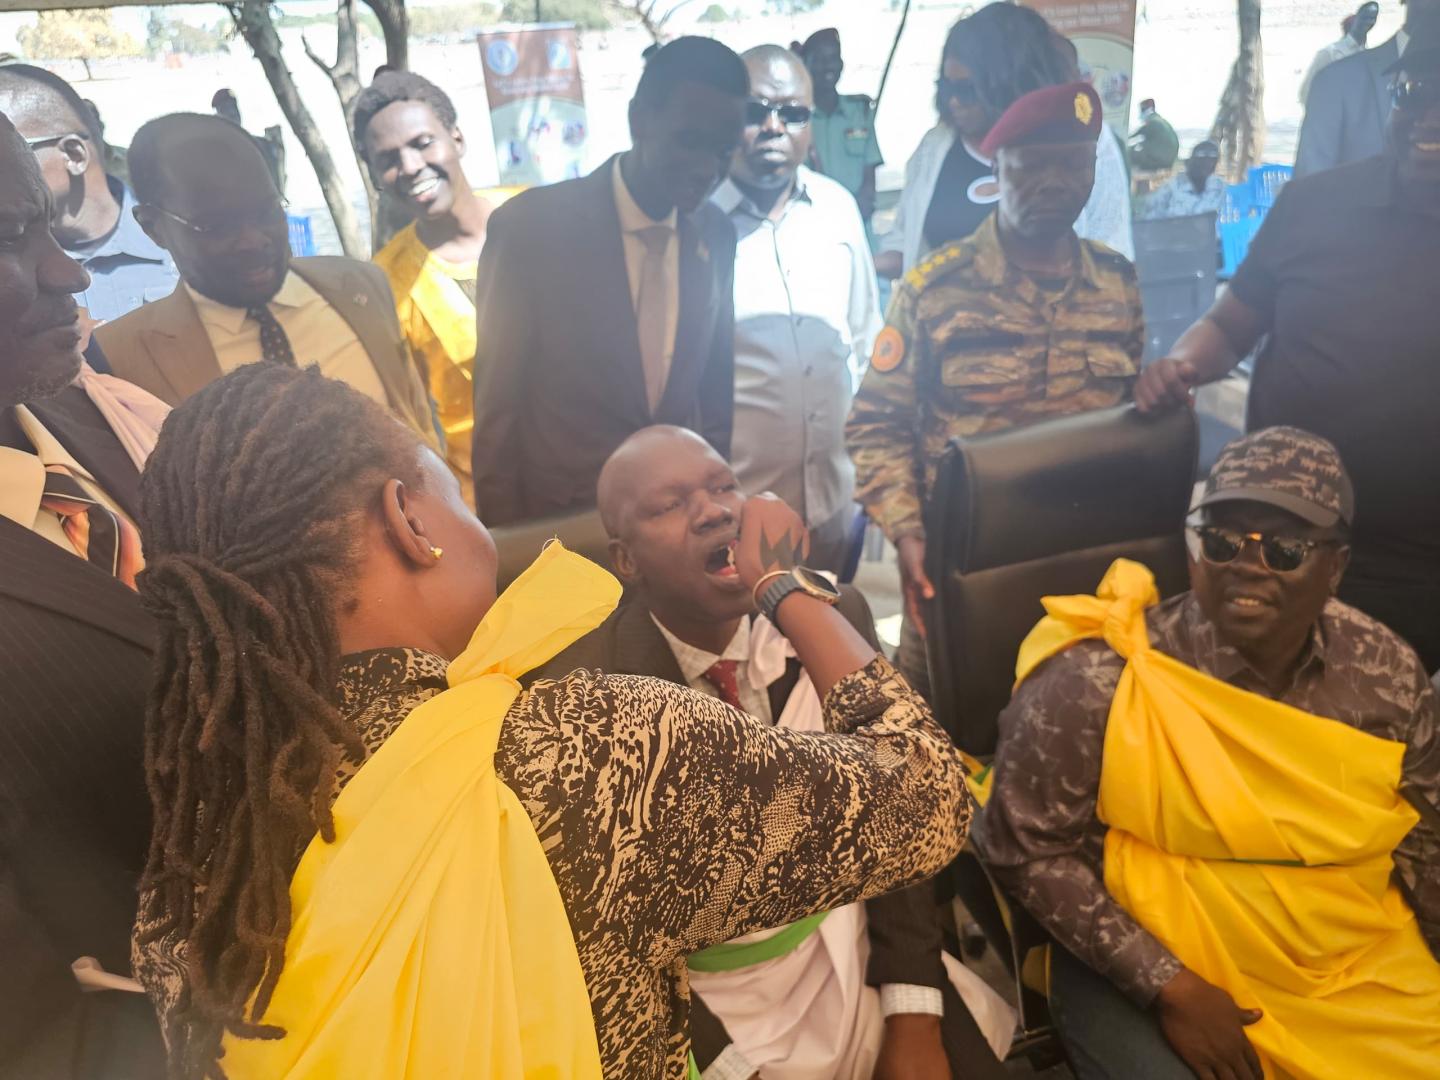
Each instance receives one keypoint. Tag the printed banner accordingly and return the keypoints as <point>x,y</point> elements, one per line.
<point>1104,34</point>
<point>537,103</point>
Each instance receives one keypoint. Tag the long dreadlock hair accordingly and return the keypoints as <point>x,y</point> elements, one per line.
<point>1010,51</point>
<point>251,508</point>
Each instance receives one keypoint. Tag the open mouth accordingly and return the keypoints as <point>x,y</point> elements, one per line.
<point>721,561</point>
<point>424,187</point>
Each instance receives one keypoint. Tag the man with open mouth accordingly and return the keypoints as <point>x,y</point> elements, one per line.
<point>1222,806</point>
<point>1338,295</point>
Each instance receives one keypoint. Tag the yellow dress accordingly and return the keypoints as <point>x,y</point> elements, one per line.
<point>1254,840</point>
<point>429,940</point>
<point>434,300</point>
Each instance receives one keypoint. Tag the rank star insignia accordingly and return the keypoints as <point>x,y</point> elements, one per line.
<point>1083,109</point>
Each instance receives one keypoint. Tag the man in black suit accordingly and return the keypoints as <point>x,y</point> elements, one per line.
<point>74,672</point>
<point>605,304</point>
<point>1350,100</point>
<point>672,507</point>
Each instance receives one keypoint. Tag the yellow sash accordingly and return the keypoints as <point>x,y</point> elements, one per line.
<point>429,940</point>
<point>1255,841</point>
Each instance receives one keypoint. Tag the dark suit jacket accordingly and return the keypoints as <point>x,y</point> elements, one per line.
<point>558,377</point>
<point>163,347</point>
<point>75,658</point>
<point>905,934</point>
<point>1347,110</point>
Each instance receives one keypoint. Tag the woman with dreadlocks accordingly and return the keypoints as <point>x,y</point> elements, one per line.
<point>990,60</point>
<point>375,856</point>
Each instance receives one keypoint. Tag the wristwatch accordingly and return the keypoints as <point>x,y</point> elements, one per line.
<point>798,579</point>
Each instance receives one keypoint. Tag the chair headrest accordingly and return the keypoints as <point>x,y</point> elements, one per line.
<point>518,545</point>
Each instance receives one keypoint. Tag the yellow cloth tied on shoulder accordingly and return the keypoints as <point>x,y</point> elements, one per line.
<point>429,940</point>
<point>1254,840</point>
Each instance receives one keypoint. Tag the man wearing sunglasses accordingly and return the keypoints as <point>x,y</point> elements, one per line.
<point>1207,801</point>
<point>93,211</point>
<point>1363,238</point>
<point>807,308</point>
<point>206,195</point>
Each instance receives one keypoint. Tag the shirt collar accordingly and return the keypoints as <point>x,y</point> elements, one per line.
<point>1225,662</point>
<point>294,292</point>
<point>632,218</point>
<point>127,238</point>
<point>994,268</point>
<point>729,198</point>
<point>694,662</point>
<point>22,474</point>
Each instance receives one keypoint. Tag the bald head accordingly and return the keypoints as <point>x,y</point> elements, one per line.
<point>33,95</point>
<point>632,468</point>
<point>774,144</point>
<point>181,151</point>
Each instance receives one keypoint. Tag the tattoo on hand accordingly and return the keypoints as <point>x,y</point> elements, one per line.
<point>786,554</point>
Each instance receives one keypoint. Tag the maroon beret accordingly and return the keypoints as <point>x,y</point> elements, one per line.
<point>1069,113</point>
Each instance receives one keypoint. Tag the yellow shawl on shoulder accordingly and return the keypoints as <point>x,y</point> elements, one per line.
<point>1255,841</point>
<point>429,940</point>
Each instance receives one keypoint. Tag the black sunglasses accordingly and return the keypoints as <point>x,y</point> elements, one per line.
<point>758,112</point>
<point>1415,93</point>
<point>961,90</point>
<point>1281,554</point>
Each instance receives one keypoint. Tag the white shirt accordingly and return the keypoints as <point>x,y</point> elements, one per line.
<point>319,336</point>
<point>807,310</point>
<point>632,220</point>
<point>1106,217</point>
<point>22,481</point>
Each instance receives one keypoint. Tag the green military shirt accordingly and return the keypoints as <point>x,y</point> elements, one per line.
<point>845,143</point>
<point>972,344</point>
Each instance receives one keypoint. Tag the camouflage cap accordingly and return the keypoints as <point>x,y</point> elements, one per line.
<point>1286,468</point>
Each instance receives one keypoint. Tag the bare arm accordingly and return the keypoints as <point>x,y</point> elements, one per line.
<point>1208,351</point>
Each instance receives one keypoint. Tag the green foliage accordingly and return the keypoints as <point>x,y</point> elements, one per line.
<point>76,35</point>
<point>586,14</point>
<point>176,36</point>
<point>715,14</point>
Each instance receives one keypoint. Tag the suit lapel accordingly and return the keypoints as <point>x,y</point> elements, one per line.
<point>640,648</point>
<point>781,689</point>
<point>41,574</point>
<point>691,332</point>
<point>178,345</point>
<point>73,419</point>
<point>603,289</point>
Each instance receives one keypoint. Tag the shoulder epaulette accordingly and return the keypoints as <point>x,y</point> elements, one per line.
<point>1110,259</point>
<point>938,262</point>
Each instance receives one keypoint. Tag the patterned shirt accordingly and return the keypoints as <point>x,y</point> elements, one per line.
<point>1039,834</point>
<point>1178,198</point>
<point>973,344</point>
<point>672,823</point>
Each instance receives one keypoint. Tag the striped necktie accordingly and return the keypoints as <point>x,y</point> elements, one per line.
<point>98,534</point>
<point>274,342</point>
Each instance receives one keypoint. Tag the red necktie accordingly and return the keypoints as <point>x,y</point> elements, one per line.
<point>98,534</point>
<point>722,676</point>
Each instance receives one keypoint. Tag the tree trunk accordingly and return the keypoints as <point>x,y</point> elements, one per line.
<point>252,19</point>
<point>344,76</point>
<point>1240,123</point>
<point>395,25</point>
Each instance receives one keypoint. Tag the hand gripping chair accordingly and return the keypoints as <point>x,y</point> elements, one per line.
<point>1016,516</point>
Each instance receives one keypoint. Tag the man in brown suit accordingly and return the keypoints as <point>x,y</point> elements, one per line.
<point>206,195</point>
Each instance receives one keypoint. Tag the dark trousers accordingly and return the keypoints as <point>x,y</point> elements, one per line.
<point>1107,1036</point>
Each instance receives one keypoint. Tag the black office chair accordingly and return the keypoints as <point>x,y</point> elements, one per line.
<point>518,545</point>
<point>1016,516</point>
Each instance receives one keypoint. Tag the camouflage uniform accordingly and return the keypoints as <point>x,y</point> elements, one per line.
<point>973,344</point>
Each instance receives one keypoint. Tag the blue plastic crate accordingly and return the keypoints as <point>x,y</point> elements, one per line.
<point>1236,233</point>
<point>1239,200</point>
<point>1266,182</point>
<point>302,236</point>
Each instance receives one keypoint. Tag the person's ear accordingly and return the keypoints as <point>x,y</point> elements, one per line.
<point>77,154</point>
<point>403,527</point>
<point>1339,563</point>
<point>637,115</point>
<point>626,569</point>
<point>459,137</point>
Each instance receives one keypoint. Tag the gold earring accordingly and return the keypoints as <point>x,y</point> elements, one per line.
<point>437,552</point>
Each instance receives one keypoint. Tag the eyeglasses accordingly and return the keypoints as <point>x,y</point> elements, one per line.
<point>1281,554</point>
<point>1415,93</point>
<point>230,226</point>
<point>52,140</point>
<point>959,90</point>
<point>758,112</point>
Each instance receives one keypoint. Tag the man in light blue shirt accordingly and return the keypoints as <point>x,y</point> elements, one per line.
<point>806,308</point>
<point>93,219</point>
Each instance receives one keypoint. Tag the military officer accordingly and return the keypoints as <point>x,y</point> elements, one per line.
<point>843,125</point>
<point>1020,322</point>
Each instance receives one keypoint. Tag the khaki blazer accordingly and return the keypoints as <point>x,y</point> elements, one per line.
<point>163,347</point>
